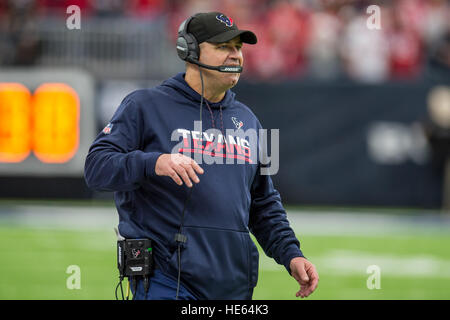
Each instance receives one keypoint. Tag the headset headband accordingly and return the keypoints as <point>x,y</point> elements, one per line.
<point>182,29</point>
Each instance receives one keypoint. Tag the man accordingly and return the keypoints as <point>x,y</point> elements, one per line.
<point>198,216</point>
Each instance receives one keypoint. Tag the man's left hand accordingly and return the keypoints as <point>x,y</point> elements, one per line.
<point>306,275</point>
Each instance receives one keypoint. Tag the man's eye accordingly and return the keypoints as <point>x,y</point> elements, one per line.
<point>226,47</point>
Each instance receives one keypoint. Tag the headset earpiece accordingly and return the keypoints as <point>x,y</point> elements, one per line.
<point>182,48</point>
<point>187,46</point>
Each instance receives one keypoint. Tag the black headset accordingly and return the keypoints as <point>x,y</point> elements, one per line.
<point>188,50</point>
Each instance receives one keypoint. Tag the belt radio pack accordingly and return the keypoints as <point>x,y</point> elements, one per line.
<point>134,257</point>
<point>134,260</point>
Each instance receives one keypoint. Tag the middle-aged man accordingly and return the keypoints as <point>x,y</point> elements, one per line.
<point>198,215</point>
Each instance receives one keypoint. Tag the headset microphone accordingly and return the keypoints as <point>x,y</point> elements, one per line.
<point>227,69</point>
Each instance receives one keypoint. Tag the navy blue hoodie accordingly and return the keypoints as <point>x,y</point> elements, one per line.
<point>219,260</point>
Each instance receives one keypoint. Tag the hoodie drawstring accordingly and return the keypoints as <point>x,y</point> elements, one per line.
<point>221,120</point>
<point>212,117</point>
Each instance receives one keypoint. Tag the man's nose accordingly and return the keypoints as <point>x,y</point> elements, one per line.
<point>235,54</point>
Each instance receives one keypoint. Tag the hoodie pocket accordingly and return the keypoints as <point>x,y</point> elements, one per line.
<point>217,263</point>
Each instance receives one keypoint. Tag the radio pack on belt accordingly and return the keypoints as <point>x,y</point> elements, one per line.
<point>135,261</point>
<point>134,257</point>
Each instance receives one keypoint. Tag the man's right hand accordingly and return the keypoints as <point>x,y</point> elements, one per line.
<point>179,167</point>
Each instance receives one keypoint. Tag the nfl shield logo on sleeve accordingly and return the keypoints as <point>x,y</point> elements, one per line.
<point>108,128</point>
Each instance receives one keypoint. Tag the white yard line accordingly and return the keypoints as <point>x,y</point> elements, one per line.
<point>303,222</point>
<point>348,262</point>
<point>366,223</point>
<point>64,217</point>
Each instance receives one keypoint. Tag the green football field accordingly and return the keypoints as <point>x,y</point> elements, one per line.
<point>411,263</point>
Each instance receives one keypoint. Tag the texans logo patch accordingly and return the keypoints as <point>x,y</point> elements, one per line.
<point>224,19</point>
<point>237,123</point>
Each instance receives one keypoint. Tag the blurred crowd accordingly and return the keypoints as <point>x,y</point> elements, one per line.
<point>329,39</point>
<point>321,39</point>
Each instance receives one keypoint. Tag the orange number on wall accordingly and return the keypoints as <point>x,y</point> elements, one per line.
<point>15,124</point>
<point>47,122</point>
<point>55,115</point>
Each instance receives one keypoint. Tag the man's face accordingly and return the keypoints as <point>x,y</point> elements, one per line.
<point>216,54</point>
